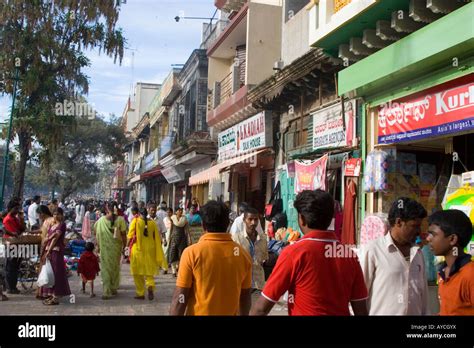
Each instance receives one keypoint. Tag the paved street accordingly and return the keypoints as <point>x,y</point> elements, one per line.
<point>123,304</point>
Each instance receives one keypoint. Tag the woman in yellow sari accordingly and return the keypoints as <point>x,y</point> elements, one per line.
<point>146,254</point>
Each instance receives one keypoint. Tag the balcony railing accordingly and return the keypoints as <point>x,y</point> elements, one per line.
<point>225,88</point>
<point>339,4</point>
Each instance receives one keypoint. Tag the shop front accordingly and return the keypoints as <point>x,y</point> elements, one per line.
<point>421,139</point>
<point>175,178</point>
<point>329,161</point>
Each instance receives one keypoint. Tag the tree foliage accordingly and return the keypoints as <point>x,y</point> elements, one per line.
<point>76,165</point>
<point>50,38</point>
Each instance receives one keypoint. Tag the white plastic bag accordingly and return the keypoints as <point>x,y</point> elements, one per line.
<point>46,277</point>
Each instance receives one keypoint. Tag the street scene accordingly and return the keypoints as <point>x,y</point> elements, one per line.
<point>237,157</point>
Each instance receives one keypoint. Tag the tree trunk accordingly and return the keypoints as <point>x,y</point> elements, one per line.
<point>24,138</point>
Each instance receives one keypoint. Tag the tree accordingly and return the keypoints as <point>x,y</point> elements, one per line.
<point>76,165</point>
<point>49,37</point>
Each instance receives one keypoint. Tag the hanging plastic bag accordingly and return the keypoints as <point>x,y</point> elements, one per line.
<point>46,277</point>
<point>455,183</point>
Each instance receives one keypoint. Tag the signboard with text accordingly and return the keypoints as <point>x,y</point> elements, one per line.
<point>171,175</point>
<point>440,112</point>
<point>247,136</point>
<point>330,130</point>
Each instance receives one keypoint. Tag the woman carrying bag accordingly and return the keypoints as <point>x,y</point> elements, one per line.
<point>55,254</point>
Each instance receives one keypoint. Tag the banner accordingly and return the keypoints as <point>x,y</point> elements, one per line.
<point>311,176</point>
<point>330,130</point>
<point>443,111</point>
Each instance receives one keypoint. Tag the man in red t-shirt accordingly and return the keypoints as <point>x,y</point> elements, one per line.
<point>13,225</point>
<point>321,275</point>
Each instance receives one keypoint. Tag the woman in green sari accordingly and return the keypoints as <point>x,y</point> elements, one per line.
<point>111,237</point>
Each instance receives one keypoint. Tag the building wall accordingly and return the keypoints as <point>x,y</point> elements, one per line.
<point>295,34</point>
<point>263,41</point>
<point>218,69</point>
<point>323,20</point>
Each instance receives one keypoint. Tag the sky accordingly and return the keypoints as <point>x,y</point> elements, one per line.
<point>154,42</point>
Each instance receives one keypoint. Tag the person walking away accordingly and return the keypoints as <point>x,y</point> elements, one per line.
<point>55,254</point>
<point>46,220</point>
<point>129,212</point>
<point>111,240</point>
<point>179,239</point>
<point>215,274</point>
<point>449,233</point>
<point>319,281</point>
<point>87,224</point>
<point>13,225</point>
<point>239,226</point>
<point>393,265</point>
<point>88,268</point>
<point>146,254</point>
<point>255,244</point>
<point>33,218</point>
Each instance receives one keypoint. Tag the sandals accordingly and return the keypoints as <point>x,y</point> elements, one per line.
<point>139,297</point>
<point>151,296</point>
<point>3,298</point>
<point>51,301</point>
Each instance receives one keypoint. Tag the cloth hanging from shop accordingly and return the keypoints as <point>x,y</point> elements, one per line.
<point>311,176</point>
<point>348,222</point>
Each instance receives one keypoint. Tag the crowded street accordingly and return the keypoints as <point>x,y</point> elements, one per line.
<point>238,158</point>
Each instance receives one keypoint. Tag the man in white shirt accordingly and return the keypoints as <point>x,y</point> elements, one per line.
<point>33,217</point>
<point>239,225</point>
<point>160,224</point>
<point>255,244</point>
<point>80,212</point>
<point>394,267</point>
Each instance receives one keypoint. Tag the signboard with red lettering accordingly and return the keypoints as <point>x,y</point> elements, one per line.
<point>330,130</point>
<point>441,112</point>
<point>352,167</point>
<point>311,176</point>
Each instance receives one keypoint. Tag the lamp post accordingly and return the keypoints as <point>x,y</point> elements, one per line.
<point>7,143</point>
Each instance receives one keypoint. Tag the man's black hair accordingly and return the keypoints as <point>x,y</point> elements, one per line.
<point>250,210</point>
<point>90,246</point>
<point>12,204</point>
<point>406,209</point>
<point>243,206</point>
<point>134,210</point>
<point>35,198</point>
<point>317,208</point>
<point>43,209</point>
<point>453,222</point>
<point>215,217</point>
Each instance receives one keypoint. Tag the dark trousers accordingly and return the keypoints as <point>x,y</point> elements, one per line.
<point>11,270</point>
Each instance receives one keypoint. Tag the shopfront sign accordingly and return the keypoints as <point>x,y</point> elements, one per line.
<point>151,160</point>
<point>352,167</point>
<point>330,130</point>
<point>442,111</point>
<point>311,176</point>
<point>172,175</point>
<point>247,136</point>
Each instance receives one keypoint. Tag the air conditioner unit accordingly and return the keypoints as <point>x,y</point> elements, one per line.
<point>278,65</point>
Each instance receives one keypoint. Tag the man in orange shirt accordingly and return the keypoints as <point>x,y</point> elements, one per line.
<point>449,233</point>
<point>215,275</point>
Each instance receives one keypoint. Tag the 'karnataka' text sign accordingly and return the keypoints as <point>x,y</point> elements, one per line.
<point>249,135</point>
<point>328,126</point>
<point>444,111</point>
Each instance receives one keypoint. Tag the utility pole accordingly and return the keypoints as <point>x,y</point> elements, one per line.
<point>7,143</point>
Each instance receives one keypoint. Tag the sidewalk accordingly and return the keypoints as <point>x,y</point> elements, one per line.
<point>123,304</point>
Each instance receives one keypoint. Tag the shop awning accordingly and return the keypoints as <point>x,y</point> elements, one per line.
<point>213,172</point>
<point>151,173</point>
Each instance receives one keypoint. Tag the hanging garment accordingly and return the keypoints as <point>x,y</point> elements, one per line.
<point>348,221</point>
